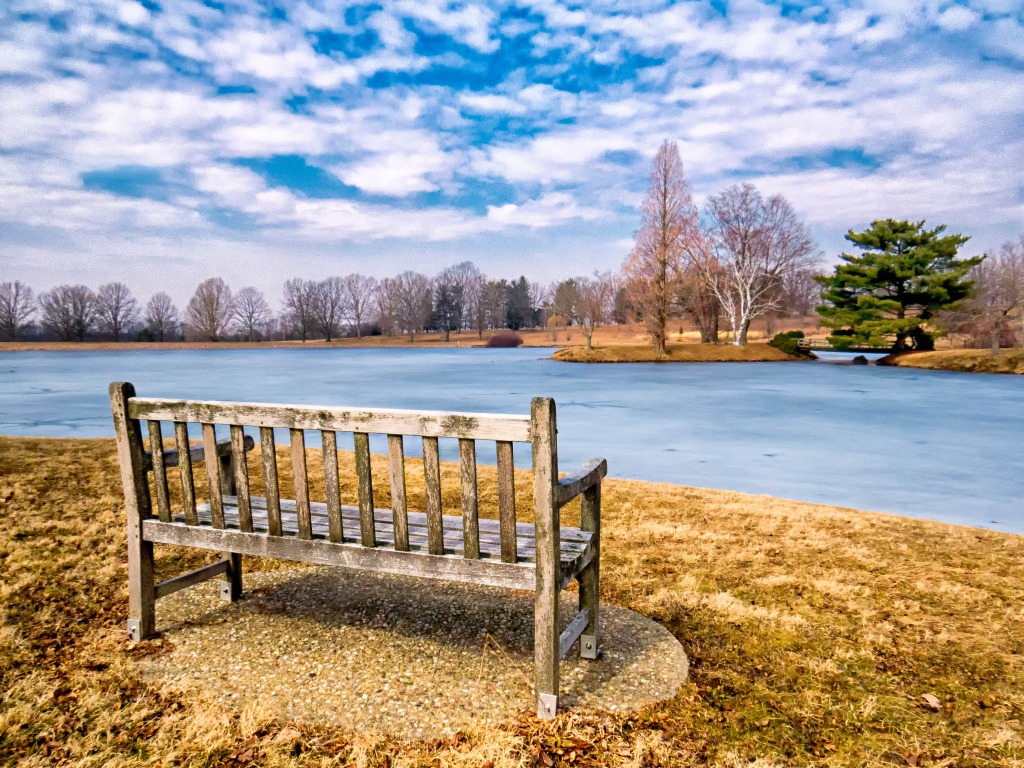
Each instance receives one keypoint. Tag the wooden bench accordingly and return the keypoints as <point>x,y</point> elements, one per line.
<point>543,556</point>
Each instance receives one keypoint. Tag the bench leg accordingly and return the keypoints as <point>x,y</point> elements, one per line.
<point>546,651</point>
<point>141,588</point>
<point>589,580</point>
<point>231,586</point>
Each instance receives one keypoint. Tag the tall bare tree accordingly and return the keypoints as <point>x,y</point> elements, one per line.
<point>999,291</point>
<point>69,311</point>
<point>161,316</point>
<point>329,300</point>
<point>116,309</point>
<point>17,305</point>
<point>698,299</point>
<point>413,302</point>
<point>210,309</point>
<point>360,293</point>
<point>299,296</point>
<point>251,313</point>
<point>756,243</point>
<point>669,233</point>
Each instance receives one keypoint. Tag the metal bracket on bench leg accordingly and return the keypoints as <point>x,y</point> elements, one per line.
<point>589,649</point>
<point>135,630</point>
<point>547,706</point>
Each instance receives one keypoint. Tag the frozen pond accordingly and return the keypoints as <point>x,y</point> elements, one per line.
<point>946,446</point>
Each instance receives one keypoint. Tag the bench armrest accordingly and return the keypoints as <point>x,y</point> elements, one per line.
<point>583,478</point>
<point>197,452</point>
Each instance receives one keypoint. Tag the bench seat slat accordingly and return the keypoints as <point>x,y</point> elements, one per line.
<point>575,547</point>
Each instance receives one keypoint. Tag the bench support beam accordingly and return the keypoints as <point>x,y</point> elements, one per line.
<point>198,576</point>
<point>572,633</point>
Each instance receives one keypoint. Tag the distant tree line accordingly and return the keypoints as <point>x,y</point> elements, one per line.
<point>459,298</point>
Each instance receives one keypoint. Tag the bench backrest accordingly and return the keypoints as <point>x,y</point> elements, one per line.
<point>227,469</point>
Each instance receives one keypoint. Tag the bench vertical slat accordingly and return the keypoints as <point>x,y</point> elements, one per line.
<point>545,518</point>
<point>364,479</point>
<point>305,521</point>
<point>141,583</point>
<point>188,482</point>
<point>432,475</point>
<point>272,490</point>
<point>213,475</point>
<point>507,502</point>
<point>590,578</point>
<point>240,470</point>
<point>470,502</point>
<point>156,452</point>
<point>396,456</point>
<point>332,484</point>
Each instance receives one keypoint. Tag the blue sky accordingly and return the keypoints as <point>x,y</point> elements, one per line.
<point>162,142</point>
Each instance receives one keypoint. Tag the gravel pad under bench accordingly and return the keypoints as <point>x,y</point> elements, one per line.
<point>413,657</point>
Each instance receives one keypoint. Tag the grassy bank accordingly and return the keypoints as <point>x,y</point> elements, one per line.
<point>816,635</point>
<point>677,353</point>
<point>966,360</point>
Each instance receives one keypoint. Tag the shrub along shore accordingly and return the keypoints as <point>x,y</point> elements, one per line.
<point>816,635</point>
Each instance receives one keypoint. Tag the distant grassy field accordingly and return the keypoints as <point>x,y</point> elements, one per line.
<point>967,360</point>
<point>816,635</point>
<point>676,353</point>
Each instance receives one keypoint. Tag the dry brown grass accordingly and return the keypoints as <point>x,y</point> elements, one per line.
<point>677,353</point>
<point>966,360</point>
<point>813,633</point>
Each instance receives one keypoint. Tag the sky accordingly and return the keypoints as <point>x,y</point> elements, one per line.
<point>166,141</point>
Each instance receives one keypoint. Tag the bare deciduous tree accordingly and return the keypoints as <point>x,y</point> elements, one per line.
<point>116,309</point>
<point>756,243</point>
<point>251,313</point>
<point>669,234</point>
<point>386,298</point>
<point>587,302</point>
<point>69,311</point>
<point>299,296</point>
<point>210,309</point>
<point>17,306</point>
<point>413,297</point>
<point>449,301</point>
<point>329,306</point>
<point>999,291</point>
<point>360,292</point>
<point>161,316</point>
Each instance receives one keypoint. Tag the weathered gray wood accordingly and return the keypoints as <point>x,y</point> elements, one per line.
<point>574,542</point>
<point>507,501</point>
<point>548,576</point>
<point>572,633</point>
<point>240,473</point>
<point>268,451</point>
<point>482,426</point>
<point>156,447</point>
<point>213,475</point>
<point>141,592</point>
<point>332,483</point>
<point>590,577</point>
<point>188,483</point>
<point>448,567</point>
<point>231,584</point>
<point>470,501</point>
<point>301,483</point>
<point>199,575</point>
<point>197,453</point>
<point>432,475</point>
<point>396,462</point>
<point>364,481</point>
<point>583,478</point>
